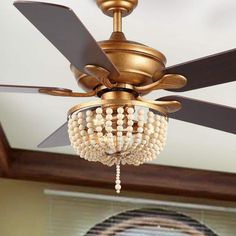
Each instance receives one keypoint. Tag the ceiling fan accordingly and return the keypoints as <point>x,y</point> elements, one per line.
<point>114,130</point>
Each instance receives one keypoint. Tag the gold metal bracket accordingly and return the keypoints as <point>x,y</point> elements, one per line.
<point>121,102</point>
<point>169,106</point>
<point>169,81</point>
<point>67,93</point>
<point>101,74</point>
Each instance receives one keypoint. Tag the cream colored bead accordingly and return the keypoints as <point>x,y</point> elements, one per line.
<point>74,124</point>
<point>118,181</point>
<point>90,131</point>
<point>129,129</point>
<point>80,115</point>
<point>150,114</point>
<point>82,132</point>
<point>99,110</point>
<point>120,116</point>
<point>130,117</point>
<point>108,123</point>
<point>76,130</point>
<point>163,118</point>
<point>140,123</point>
<point>144,141</point>
<point>81,127</point>
<point>157,129</point>
<point>153,140</point>
<point>108,128</point>
<point>73,116</point>
<point>120,110</point>
<point>98,128</point>
<point>140,129</point>
<point>109,117</point>
<point>86,143</point>
<point>99,122</point>
<point>159,143</point>
<point>118,187</point>
<point>130,122</point>
<point>138,140</point>
<point>162,131</point>
<point>162,139</point>
<point>150,120</point>
<point>119,134</point>
<point>150,145</point>
<point>99,117</point>
<point>89,125</point>
<point>89,113</point>
<point>147,131</point>
<point>120,122</point>
<point>139,135</point>
<point>119,139</point>
<point>88,119</point>
<point>80,121</point>
<point>150,126</point>
<point>126,139</point>
<point>109,111</point>
<point>93,142</point>
<point>157,118</point>
<point>130,110</point>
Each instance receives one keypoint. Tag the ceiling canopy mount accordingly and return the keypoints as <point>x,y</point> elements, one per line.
<point>110,7</point>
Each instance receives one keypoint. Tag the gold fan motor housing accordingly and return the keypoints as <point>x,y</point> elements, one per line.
<point>138,64</point>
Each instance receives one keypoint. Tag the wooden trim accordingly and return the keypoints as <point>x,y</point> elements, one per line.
<point>4,153</point>
<point>69,169</point>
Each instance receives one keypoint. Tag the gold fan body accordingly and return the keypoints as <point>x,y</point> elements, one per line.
<point>138,64</point>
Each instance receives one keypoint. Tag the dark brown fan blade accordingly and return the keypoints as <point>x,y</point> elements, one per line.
<point>65,31</point>
<point>207,71</point>
<point>204,113</point>
<point>28,89</point>
<point>58,138</point>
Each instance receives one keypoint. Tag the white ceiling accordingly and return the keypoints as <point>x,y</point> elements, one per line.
<point>182,30</point>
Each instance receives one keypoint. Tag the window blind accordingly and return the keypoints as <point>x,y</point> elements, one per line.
<point>74,216</point>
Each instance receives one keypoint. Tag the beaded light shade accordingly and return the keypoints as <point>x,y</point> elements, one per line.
<point>117,135</point>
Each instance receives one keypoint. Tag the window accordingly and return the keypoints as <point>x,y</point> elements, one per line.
<point>150,222</point>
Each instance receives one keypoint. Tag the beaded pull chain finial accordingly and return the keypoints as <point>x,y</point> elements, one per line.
<point>118,182</point>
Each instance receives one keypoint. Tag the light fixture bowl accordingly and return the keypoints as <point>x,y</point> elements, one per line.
<point>125,134</point>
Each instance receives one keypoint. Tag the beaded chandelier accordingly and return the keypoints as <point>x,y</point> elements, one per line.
<point>122,127</point>
<point>117,135</point>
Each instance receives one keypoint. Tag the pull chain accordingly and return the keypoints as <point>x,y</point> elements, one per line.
<point>118,182</point>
